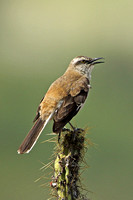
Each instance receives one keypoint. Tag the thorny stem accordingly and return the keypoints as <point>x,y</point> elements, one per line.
<point>70,153</point>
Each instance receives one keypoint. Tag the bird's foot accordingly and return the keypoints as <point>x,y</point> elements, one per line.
<point>75,129</point>
<point>65,129</point>
<point>79,129</point>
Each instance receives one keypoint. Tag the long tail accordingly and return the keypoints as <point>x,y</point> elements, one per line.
<point>32,137</point>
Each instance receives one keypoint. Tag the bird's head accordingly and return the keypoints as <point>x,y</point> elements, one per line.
<point>84,64</point>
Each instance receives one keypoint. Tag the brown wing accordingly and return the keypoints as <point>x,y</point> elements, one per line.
<point>71,105</point>
<point>38,111</point>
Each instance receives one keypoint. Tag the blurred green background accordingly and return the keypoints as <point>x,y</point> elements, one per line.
<point>38,39</point>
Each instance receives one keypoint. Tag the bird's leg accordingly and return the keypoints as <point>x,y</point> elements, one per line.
<point>74,131</point>
<point>59,136</point>
<point>72,126</point>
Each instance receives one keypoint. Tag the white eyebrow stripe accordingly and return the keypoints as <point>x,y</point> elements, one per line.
<point>77,59</point>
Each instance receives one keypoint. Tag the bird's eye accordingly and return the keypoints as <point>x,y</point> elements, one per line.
<point>83,61</point>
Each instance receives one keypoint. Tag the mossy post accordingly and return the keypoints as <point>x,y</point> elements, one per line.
<point>66,182</point>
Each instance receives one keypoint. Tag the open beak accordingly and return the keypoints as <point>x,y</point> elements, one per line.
<point>94,61</point>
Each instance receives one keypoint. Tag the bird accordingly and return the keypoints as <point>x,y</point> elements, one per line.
<point>63,100</point>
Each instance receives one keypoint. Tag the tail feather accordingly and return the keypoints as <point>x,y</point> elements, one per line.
<point>32,137</point>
